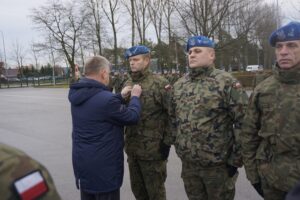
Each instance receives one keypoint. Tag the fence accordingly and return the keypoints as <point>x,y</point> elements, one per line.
<point>33,81</point>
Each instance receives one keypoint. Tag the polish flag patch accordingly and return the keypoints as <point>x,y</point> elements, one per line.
<point>31,186</point>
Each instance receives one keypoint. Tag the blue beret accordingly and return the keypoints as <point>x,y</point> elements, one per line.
<point>288,32</point>
<point>136,50</point>
<point>199,41</point>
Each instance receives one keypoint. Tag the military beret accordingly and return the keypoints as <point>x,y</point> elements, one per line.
<point>199,41</point>
<point>288,32</point>
<point>136,50</point>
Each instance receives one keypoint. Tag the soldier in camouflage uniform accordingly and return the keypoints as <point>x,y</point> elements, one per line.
<point>21,177</point>
<point>271,128</point>
<point>147,144</point>
<point>207,108</point>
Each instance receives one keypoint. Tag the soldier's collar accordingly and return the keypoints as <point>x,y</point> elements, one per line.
<point>200,71</point>
<point>140,75</point>
<point>290,76</point>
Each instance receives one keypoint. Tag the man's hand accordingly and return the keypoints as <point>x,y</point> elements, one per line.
<point>126,92</point>
<point>136,91</point>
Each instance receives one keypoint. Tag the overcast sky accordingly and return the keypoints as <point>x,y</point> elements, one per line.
<point>15,23</point>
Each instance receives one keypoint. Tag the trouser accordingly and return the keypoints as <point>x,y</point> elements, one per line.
<point>147,178</point>
<point>271,193</point>
<point>207,183</point>
<point>114,195</point>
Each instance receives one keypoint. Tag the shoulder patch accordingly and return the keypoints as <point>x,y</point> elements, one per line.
<point>31,186</point>
<point>168,87</point>
<point>237,85</point>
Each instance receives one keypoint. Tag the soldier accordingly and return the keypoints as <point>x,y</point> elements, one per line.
<point>271,128</point>
<point>207,109</point>
<point>147,144</point>
<point>23,178</point>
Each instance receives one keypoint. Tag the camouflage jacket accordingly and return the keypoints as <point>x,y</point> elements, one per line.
<point>144,140</point>
<point>206,110</point>
<point>16,165</point>
<point>271,129</point>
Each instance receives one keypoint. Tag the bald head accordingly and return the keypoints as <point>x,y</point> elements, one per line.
<point>97,68</point>
<point>95,64</point>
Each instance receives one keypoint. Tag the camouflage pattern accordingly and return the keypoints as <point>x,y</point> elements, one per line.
<point>207,110</point>
<point>15,164</point>
<point>271,131</point>
<point>271,193</point>
<point>119,82</point>
<point>147,179</point>
<point>207,183</point>
<point>173,77</point>
<point>260,76</point>
<point>144,142</point>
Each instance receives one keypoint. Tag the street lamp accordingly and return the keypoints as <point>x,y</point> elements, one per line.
<point>4,53</point>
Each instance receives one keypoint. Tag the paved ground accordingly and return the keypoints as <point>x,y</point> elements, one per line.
<point>38,122</point>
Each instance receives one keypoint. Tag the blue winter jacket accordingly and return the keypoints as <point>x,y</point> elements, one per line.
<point>99,117</point>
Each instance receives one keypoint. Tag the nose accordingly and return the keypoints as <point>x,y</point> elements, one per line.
<point>283,50</point>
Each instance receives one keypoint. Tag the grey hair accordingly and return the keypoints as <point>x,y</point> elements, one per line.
<point>95,64</point>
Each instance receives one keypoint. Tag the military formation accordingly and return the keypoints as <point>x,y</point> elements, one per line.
<point>213,125</point>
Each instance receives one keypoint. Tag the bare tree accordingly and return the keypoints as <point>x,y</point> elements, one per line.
<point>18,55</point>
<point>131,11</point>
<point>113,6</point>
<point>95,26</point>
<point>141,18</point>
<point>64,22</point>
<point>203,17</point>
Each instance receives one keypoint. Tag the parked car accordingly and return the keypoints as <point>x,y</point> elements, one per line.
<point>254,68</point>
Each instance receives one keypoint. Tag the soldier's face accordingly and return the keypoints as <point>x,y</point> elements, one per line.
<point>138,63</point>
<point>201,57</point>
<point>288,54</point>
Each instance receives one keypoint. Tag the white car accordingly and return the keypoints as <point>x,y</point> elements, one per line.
<point>254,68</point>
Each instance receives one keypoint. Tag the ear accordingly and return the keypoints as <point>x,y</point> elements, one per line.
<point>212,54</point>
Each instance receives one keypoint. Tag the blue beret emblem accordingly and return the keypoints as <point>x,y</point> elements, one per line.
<point>199,41</point>
<point>136,50</point>
<point>288,32</point>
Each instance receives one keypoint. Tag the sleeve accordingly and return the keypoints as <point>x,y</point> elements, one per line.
<point>164,94</point>
<point>172,124</point>
<point>119,113</point>
<point>237,104</point>
<point>250,139</point>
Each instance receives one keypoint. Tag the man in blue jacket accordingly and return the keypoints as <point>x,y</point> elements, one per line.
<point>99,117</point>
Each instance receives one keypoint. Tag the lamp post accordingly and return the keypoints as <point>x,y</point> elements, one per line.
<point>4,53</point>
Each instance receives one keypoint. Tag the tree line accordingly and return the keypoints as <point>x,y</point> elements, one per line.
<point>76,29</point>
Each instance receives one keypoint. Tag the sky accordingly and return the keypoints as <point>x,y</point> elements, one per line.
<point>15,24</point>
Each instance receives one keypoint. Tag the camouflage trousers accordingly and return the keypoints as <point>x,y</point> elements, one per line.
<point>147,179</point>
<point>271,193</point>
<point>267,175</point>
<point>207,183</point>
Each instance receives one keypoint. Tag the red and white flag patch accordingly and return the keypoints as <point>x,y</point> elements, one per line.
<point>31,186</point>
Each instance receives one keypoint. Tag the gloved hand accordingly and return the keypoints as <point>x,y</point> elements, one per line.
<point>231,170</point>
<point>258,188</point>
<point>164,150</point>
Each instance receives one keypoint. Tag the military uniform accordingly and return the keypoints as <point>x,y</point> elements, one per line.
<point>145,142</point>
<point>207,109</point>
<point>23,178</point>
<point>271,134</point>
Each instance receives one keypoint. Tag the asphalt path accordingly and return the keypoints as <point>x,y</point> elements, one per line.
<point>38,121</point>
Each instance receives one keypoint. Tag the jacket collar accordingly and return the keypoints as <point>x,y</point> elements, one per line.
<point>140,75</point>
<point>289,76</point>
<point>199,72</point>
